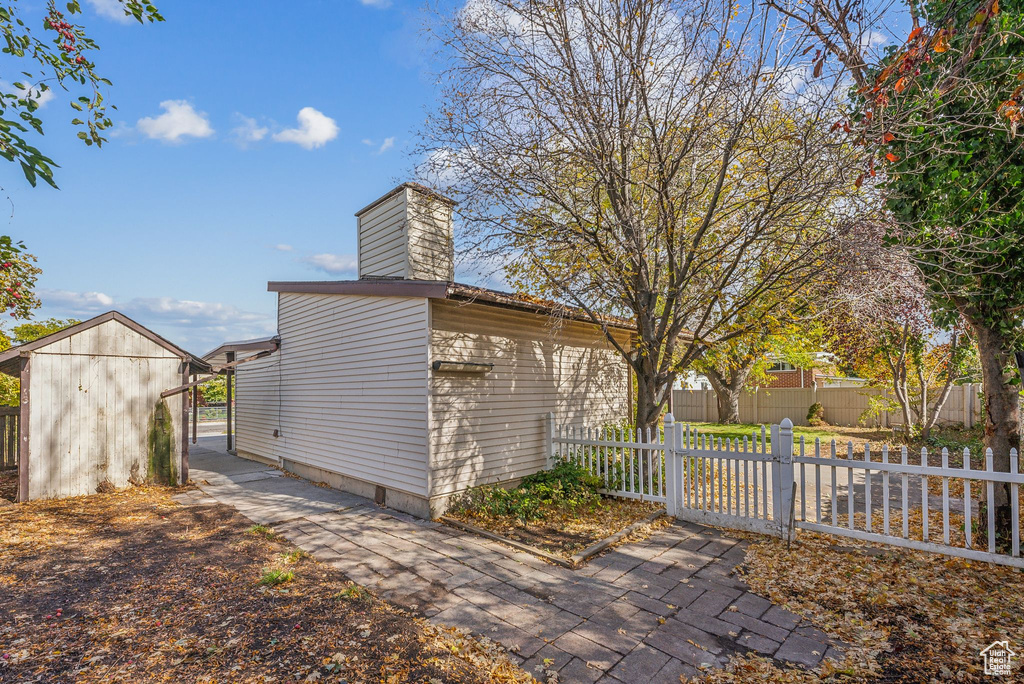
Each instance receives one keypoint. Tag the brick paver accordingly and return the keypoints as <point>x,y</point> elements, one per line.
<point>654,610</point>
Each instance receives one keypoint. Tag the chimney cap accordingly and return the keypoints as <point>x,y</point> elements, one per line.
<point>411,186</point>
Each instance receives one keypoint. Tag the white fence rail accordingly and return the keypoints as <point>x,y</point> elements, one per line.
<point>759,485</point>
<point>874,497</point>
<point>722,482</point>
<point>631,463</point>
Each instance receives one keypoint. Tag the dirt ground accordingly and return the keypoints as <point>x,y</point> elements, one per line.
<point>907,616</point>
<point>132,587</point>
<point>561,531</point>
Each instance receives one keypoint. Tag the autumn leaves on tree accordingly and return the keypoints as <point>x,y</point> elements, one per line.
<point>646,160</point>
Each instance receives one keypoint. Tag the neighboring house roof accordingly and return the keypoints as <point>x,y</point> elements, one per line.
<point>437,289</point>
<point>219,356</point>
<point>10,359</point>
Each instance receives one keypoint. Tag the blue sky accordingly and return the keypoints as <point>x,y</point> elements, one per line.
<point>210,184</point>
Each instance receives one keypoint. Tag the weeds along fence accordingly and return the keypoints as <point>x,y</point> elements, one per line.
<point>924,501</point>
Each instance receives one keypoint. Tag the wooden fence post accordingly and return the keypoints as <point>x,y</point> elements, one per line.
<point>549,439</point>
<point>782,478</point>
<point>968,406</point>
<point>671,491</point>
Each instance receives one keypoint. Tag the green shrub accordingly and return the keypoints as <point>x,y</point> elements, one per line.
<point>566,485</point>
<point>816,415</point>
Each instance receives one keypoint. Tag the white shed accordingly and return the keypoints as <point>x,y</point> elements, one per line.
<point>91,412</point>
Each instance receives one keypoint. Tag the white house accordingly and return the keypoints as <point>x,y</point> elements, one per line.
<point>408,387</point>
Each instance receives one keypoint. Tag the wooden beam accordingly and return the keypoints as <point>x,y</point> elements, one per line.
<point>195,413</point>
<point>229,382</point>
<point>215,373</point>
<point>23,429</point>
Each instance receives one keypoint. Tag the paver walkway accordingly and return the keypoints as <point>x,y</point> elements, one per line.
<point>644,612</point>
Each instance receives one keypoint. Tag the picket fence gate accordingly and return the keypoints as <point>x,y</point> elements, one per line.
<point>767,486</point>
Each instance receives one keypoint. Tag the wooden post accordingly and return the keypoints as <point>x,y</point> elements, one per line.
<point>228,382</point>
<point>23,429</point>
<point>184,425</point>
<point>671,493</point>
<point>195,412</point>
<point>783,503</point>
<point>968,405</point>
<point>549,438</point>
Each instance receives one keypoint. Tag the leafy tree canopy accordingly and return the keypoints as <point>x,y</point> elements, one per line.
<point>33,330</point>
<point>54,54</point>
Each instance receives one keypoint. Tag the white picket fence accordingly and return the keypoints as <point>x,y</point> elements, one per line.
<point>631,463</point>
<point>770,487</point>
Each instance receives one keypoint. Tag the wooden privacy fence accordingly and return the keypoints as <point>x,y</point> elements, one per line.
<point>9,417</point>
<point>843,406</point>
<point>919,502</point>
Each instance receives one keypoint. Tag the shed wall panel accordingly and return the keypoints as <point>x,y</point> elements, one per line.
<point>93,395</point>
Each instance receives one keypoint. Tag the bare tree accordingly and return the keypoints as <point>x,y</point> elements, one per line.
<point>659,161</point>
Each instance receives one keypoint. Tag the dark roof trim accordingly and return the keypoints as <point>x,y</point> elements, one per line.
<point>411,186</point>
<point>480,295</point>
<point>268,344</point>
<point>436,289</point>
<point>196,364</point>
<point>377,287</point>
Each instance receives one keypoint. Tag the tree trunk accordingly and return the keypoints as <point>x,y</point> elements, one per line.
<point>1002,411</point>
<point>728,392</point>
<point>649,402</point>
<point>729,406</point>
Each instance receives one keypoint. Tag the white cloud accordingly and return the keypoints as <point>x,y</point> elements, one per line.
<point>78,301</point>
<point>283,248</point>
<point>379,4</point>
<point>315,129</point>
<point>872,39</point>
<point>33,92</point>
<point>110,9</point>
<point>196,325</point>
<point>386,145</point>
<point>335,264</point>
<point>179,120</point>
<point>367,142</point>
<point>248,131</point>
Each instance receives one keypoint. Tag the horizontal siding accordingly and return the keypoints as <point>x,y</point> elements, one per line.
<point>431,249</point>
<point>92,397</point>
<point>382,239</point>
<point>347,390</point>
<point>490,427</point>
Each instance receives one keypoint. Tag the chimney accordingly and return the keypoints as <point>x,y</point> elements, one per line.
<point>407,234</point>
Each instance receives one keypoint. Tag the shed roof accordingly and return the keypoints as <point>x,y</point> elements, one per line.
<point>439,289</point>
<point>219,356</point>
<point>10,360</point>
